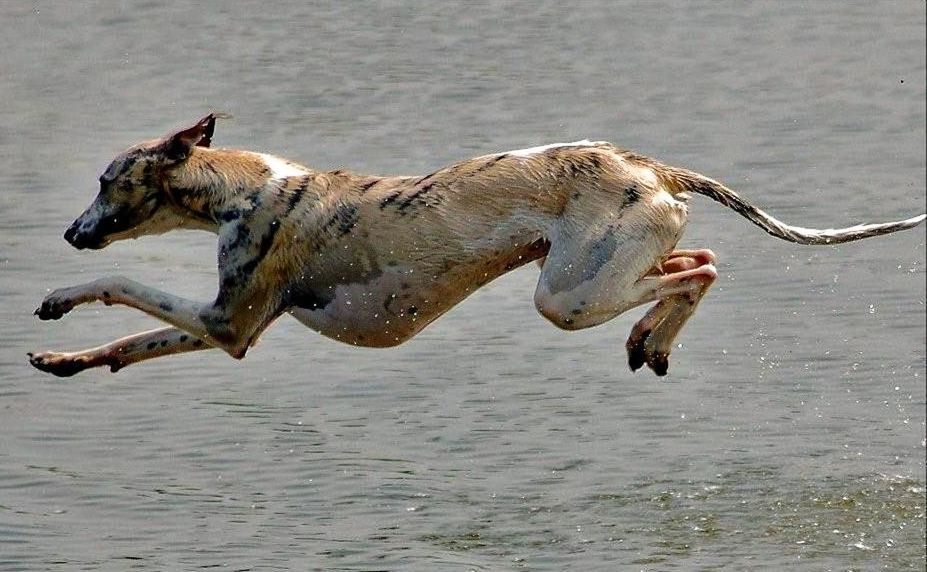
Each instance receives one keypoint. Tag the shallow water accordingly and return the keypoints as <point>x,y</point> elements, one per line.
<point>789,434</point>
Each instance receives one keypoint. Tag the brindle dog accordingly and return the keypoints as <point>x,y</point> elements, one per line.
<point>371,260</point>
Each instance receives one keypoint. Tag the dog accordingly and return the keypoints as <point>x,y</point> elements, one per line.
<point>371,260</point>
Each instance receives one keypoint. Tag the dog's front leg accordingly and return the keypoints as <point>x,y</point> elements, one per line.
<point>204,321</point>
<point>119,353</point>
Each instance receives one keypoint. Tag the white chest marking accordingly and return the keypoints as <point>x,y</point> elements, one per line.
<point>281,169</point>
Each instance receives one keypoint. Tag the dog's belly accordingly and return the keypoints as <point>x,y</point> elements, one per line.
<point>396,304</point>
<point>374,314</point>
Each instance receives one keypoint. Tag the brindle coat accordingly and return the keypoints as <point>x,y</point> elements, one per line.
<point>372,260</point>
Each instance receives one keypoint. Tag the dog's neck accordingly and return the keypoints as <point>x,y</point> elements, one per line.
<point>213,182</point>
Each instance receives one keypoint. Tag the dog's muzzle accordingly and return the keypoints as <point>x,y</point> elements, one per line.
<point>80,239</point>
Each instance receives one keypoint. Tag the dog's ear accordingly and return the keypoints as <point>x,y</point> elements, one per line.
<point>178,146</point>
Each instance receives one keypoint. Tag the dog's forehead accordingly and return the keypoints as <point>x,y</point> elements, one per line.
<point>125,161</point>
<point>117,166</point>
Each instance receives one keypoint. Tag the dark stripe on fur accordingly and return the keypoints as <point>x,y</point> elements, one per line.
<point>308,298</point>
<point>297,194</point>
<point>209,167</point>
<point>344,218</point>
<point>426,177</point>
<point>490,162</point>
<point>408,201</point>
<point>263,248</point>
<point>390,199</point>
<point>367,186</point>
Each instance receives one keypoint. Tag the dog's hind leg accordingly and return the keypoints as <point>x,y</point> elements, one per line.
<point>119,353</point>
<point>652,337</point>
<point>599,268</point>
<point>599,259</point>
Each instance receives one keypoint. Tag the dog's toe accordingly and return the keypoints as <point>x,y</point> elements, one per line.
<point>55,305</point>
<point>641,352</point>
<point>637,354</point>
<point>636,359</point>
<point>659,363</point>
<point>52,310</point>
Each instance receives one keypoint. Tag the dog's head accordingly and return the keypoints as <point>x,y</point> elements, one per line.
<point>132,189</point>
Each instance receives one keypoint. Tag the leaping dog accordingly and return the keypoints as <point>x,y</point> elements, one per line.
<point>372,260</point>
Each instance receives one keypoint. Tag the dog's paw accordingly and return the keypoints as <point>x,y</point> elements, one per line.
<point>60,364</point>
<point>54,306</point>
<point>637,354</point>
<point>640,352</point>
<point>658,362</point>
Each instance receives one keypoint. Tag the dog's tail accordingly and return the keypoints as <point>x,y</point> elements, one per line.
<point>683,180</point>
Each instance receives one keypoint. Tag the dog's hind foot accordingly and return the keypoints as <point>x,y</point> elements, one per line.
<point>636,354</point>
<point>651,338</point>
<point>640,352</point>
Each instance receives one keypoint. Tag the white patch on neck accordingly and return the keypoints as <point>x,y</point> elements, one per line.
<point>281,168</point>
<point>540,149</point>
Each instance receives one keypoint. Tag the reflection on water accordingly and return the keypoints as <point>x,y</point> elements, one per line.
<point>790,433</point>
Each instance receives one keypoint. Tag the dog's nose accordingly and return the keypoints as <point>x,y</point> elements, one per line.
<point>77,239</point>
<point>69,234</point>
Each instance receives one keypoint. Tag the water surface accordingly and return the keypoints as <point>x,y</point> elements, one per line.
<point>789,434</point>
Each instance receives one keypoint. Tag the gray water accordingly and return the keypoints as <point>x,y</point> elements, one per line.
<point>790,433</point>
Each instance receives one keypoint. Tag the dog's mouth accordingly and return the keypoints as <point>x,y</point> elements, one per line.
<point>93,231</point>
